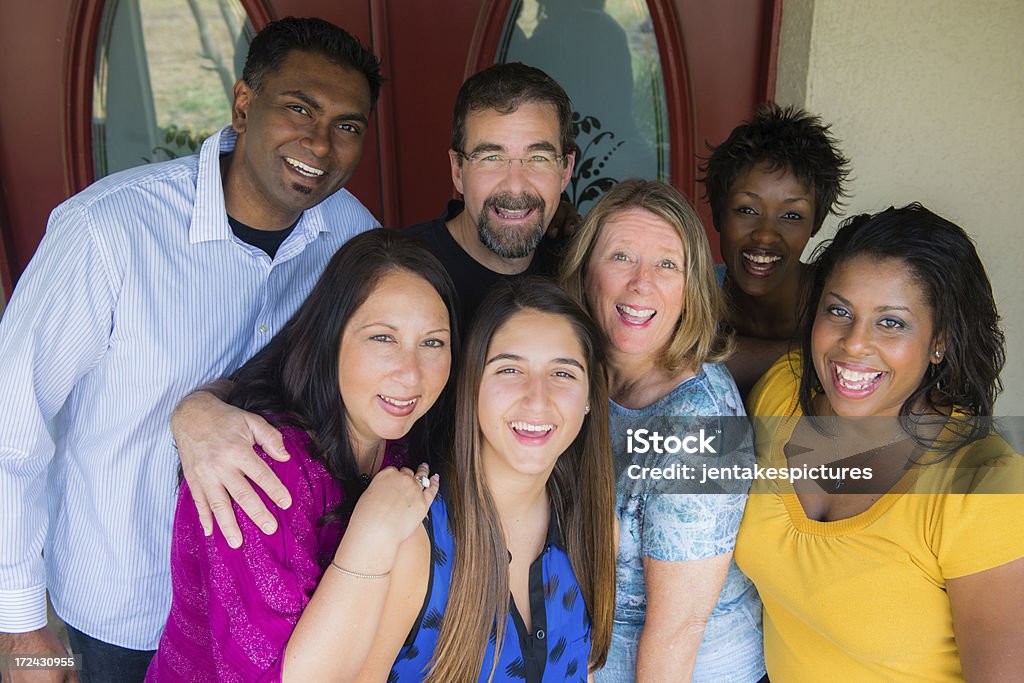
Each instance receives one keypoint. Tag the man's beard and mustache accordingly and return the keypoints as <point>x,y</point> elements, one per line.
<point>516,241</point>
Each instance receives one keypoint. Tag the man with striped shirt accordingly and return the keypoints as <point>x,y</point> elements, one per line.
<point>148,284</point>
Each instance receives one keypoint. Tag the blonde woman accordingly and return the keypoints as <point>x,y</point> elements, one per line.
<point>642,265</point>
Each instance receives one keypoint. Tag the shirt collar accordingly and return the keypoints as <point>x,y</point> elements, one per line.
<point>554,535</point>
<point>209,217</point>
<point>554,528</point>
<point>209,214</point>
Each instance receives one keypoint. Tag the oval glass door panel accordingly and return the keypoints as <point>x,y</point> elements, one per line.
<point>604,53</point>
<point>164,74</point>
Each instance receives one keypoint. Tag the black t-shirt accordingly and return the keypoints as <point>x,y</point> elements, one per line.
<point>472,280</point>
<point>268,241</point>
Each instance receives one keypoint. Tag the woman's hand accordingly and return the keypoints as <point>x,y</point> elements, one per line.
<point>565,223</point>
<point>348,605</point>
<point>390,509</point>
<point>215,443</point>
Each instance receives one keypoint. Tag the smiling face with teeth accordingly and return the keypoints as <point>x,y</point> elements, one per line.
<point>300,139</point>
<point>765,225</point>
<point>635,283</point>
<point>873,337</point>
<point>394,359</point>
<point>532,396</point>
<point>507,212</point>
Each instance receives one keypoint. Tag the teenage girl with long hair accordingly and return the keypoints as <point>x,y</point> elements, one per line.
<point>512,573</point>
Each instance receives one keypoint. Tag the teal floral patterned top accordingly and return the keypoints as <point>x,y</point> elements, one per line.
<point>677,527</point>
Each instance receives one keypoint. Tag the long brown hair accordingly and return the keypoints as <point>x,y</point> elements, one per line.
<point>580,488</point>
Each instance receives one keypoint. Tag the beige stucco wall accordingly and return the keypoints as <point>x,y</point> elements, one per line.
<point>927,97</point>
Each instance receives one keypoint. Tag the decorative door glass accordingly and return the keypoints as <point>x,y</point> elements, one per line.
<point>164,74</point>
<point>604,53</point>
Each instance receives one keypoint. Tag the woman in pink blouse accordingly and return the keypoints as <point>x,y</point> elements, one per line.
<point>347,382</point>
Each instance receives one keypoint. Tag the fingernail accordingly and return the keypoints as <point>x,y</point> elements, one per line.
<point>436,478</point>
<point>234,541</point>
<point>207,531</point>
<point>269,527</point>
<point>284,503</point>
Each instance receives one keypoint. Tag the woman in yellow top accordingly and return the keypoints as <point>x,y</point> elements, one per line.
<point>916,571</point>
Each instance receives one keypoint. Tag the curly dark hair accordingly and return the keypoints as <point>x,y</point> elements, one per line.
<point>789,139</point>
<point>271,45</point>
<point>942,259</point>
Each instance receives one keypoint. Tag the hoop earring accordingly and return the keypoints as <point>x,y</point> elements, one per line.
<point>933,374</point>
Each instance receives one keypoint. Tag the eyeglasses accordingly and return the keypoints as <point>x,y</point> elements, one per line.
<point>538,163</point>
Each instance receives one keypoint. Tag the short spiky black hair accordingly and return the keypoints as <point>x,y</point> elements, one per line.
<point>271,45</point>
<point>787,138</point>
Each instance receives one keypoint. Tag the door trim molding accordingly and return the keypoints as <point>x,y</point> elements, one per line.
<point>79,73</point>
<point>489,33</point>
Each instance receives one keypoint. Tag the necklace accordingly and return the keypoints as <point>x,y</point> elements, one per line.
<point>364,478</point>
<point>875,451</point>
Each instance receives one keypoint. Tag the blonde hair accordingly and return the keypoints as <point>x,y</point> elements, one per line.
<point>699,336</point>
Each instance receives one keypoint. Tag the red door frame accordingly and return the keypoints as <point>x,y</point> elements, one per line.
<point>79,67</point>
<point>31,139</point>
<point>426,51</point>
<point>487,41</point>
<point>47,154</point>
<point>677,26</point>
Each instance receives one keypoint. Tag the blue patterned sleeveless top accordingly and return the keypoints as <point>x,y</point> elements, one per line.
<point>557,650</point>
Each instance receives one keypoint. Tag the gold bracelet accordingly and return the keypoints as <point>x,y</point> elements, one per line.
<point>357,574</point>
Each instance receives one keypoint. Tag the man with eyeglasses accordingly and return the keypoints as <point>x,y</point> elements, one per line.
<point>512,154</point>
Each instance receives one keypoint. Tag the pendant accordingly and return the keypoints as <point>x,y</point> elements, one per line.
<point>364,480</point>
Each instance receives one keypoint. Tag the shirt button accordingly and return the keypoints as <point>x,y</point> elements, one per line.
<point>263,329</point>
<point>540,634</point>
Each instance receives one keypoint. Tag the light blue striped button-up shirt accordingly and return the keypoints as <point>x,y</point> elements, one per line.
<point>138,294</point>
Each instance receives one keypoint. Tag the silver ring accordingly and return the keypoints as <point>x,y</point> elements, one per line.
<point>424,482</point>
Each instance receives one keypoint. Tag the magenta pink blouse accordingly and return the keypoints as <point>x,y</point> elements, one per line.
<point>232,611</point>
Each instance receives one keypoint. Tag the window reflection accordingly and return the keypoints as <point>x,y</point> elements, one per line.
<point>165,69</point>
<point>604,53</point>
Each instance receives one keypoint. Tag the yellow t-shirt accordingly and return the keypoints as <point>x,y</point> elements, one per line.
<point>864,598</point>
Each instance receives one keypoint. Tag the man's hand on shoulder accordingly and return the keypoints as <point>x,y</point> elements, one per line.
<point>215,443</point>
